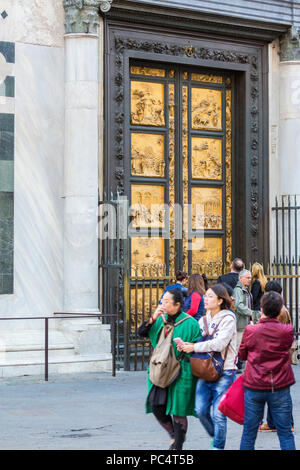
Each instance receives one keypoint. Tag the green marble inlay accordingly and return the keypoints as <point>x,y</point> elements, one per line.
<point>8,50</point>
<point>7,122</point>
<point>6,242</point>
<point>6,202</point>
<point>6,145</point>
<point>6,175</point>
<point>7,88</point>
<point>6,206</point>
<point>6,284</point>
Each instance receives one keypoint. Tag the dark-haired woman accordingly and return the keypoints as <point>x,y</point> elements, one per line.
<point>173,404</point>
<point>220,319</point>
<point>181,281</point>
<point>194,302</point>
<point>268,374</point>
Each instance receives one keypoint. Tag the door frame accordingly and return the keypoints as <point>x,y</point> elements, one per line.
<point>249,63</point>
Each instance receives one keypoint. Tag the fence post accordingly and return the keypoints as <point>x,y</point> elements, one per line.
<point>113,323</point>
<point>46,350</point>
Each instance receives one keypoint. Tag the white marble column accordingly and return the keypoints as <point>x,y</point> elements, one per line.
<point>289,127</point>
<point>81,173</point>
<point>284,131</point>
<point>289,112</point>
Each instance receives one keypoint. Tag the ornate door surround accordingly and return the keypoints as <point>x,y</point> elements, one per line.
<point>246,64</point>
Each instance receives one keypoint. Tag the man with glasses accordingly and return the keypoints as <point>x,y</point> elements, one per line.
<point>243,306</point>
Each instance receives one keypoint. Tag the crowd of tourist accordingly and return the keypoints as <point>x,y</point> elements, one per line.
<point>241,318</point>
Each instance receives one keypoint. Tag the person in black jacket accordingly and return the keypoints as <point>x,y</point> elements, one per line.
<point>232,278</point>
<point>259,282</point>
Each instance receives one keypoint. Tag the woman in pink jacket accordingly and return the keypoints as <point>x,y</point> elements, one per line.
<point>268,374</point>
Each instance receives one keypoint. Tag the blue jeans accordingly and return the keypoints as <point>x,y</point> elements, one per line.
<point>280,405</point>
<point>208,394</point>
<point>270,420</point>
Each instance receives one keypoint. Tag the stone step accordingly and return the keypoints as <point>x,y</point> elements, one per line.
<point>61,365</point>
<point>18,353</point>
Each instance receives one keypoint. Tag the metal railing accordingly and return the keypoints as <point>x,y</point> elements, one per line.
<point>288,275</point>
<point>287,220</point>
<point>69,316</point>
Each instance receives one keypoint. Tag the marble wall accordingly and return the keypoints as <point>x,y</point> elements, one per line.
<point>38,106</point>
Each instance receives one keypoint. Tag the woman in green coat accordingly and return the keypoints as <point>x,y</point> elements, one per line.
<point>177,400</point>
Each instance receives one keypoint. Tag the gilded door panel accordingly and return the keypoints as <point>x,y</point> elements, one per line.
<point>147,103</point>
<point>185,175</point>
<point>147,208</point>
<point>191,168</point>
<point>171,136</point>
<point>206,78</point>
<point>206,109</point>
<point>147,155</point>
<point>228,158</point>
<point>206,208</point>
<point>148,71</point>
<point>206,158</point>
<point>207,255</point>
<point>147,254</point>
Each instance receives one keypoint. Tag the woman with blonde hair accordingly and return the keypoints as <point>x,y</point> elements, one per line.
<point>259,282</point>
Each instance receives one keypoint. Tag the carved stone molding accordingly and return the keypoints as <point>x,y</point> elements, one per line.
<point>82,16</point>
<point>290,45</point>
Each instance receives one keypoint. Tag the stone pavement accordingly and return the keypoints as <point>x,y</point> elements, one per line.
<point>97,411</point>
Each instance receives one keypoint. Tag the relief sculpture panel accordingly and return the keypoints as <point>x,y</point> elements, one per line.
<point>147,155</point>
<point>147,71</point>
<point>206,158</point>
<point>147,208</point>
<point>207,208</point>
<point>206,109</point>
<point>147,103</point>
<point>207,256</point>
<point>206,78</point>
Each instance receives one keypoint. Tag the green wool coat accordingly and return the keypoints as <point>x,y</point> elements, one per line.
<point>181,393</point>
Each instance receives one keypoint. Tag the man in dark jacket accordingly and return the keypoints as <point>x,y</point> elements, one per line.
<point>232,278</point>
<point>268,374</point>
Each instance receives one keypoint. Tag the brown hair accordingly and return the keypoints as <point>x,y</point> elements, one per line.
<point>196,284</point>
<point>180,275</point>
<point>222,293</point>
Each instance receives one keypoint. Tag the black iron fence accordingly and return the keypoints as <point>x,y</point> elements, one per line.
<point>146,289</point>
<point>133,296</point>
<point>285,221</point>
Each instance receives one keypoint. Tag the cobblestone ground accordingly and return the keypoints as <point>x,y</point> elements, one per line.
<point>97,411</point>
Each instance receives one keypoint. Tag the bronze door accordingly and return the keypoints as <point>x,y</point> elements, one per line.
<point>180,169</point>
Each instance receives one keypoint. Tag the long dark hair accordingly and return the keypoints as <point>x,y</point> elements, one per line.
<point>221,292</point>
<point>196,284</point>
<point>205,281</point>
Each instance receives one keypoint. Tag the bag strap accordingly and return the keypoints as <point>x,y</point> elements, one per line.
<point>205,325</point>
<point>182,320</point>
<point>177,323</point>
<point>215,329</point>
